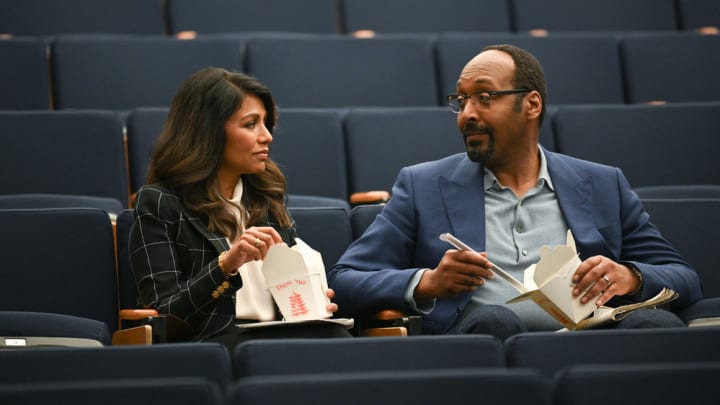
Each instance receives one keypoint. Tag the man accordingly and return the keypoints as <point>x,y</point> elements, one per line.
<point>505,198</point>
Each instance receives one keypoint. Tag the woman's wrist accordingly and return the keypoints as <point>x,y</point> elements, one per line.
<point>223,266</point>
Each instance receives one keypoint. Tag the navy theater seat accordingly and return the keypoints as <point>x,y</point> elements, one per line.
<point>24,83</point>
<point>590,15</point>
<point>50,17</point>
<point>40,200</point>
<point>646,384</point>
<point>71,152</point>
<point>340,355</point>
<point>220,16</point>
<point>427,15</point>
<point>649,60</point>
<point>210,361</point>
<point>73,275</point>
<point>550,352</point>
<point>694,14</point>
<point>422,387</point>
<point>381,141</point>
<point>157,391</point>
<point>671,144</point>
<point>325,229</point>
<point>580,68</point>
<point>122,73</point>
<point>338,71</point>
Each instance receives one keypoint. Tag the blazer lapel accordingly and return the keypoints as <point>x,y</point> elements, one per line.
<point>575,195</point>
<point>463,194</point>
<point>218,241</point>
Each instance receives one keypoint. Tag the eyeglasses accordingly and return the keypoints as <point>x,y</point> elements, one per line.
<point>457,101</point>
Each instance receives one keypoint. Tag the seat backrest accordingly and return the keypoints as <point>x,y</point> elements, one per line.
<point>309,147</point>
<point>39,200</point>
<point>646,68</point>
<point>694,14</point>
<point>341,71</point>
<point>25,83</point>
<point>381,141</point>
<point>579,67</point>
<point>300,356</point>
<point>642,140</point>
<point>160,391</point>
<point>197,359</point>
<point>550,352</point>
<point>215,16</point>
<point>588,15</point>
<point>76,264</point>
<point>692,225</point>
<point>647,384</point>
<point>72,152</point>
<point>49,17</point>
<point>143,127</point>
<point>361,216</point>
<point>122,73</point>
<point>325,229</point>
<point>127,287</point>
<point>426,15</point>
<point>422,387</point>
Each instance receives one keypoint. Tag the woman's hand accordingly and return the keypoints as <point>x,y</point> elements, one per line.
<point>331,307</point>
<point>253,244</point>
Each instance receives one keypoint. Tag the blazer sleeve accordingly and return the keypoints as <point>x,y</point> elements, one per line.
<point>175,267</point>
<point>375,267</point>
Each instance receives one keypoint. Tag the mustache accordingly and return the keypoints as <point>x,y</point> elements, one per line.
<point>472,127</point>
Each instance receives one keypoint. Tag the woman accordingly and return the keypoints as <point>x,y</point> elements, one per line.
<point>213,206</point>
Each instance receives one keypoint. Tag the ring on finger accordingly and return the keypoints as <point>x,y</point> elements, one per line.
<point>607,280</point>
<point>257,242</point>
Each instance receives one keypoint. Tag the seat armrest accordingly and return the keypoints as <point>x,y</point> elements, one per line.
<point>369,197</point>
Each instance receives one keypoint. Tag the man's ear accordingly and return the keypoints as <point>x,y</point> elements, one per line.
<point>533,104</point>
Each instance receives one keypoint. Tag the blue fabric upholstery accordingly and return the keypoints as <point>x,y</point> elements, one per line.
<point>422,387</point>
<point>214,16</point>
<point>325,229</point>
<point>300,356</point>
<point>76,267</point>
<point>608,15</point>
<point>643,384</point>
<point>551,351</point>
<point>580,68</point>
<point>143,127</point>
<point>25,83</point>
<point>50,17</point>
<point>20,324</point>
<point>695,14</point>
<point>156,391</point>
<point>338,71</point>
<point>646,67</point>
<point>122,73</point>
<point>72,152</point>
<point>642,140</point>
<point>426,15</point>
<point>210,361</point>
<point>39,200</point>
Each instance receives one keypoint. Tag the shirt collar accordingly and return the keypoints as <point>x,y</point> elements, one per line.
<point>490,182</point>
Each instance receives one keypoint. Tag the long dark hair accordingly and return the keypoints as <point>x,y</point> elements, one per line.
<point>190,150</point>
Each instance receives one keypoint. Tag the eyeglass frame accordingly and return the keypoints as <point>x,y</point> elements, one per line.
<point>458,96</point>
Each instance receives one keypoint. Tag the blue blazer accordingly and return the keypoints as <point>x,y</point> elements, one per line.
<point>606,218</point>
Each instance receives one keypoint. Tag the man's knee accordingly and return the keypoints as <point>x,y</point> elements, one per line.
<point>488,319</point>
<point>651,318</point>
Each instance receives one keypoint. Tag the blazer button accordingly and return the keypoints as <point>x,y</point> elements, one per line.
<point>225,285</point>
<point>215,294</point>
<point>221,289</point>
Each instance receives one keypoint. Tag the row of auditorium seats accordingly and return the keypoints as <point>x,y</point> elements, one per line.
<point>303,70</point>
<point>333,153</point>
<point>143,17</point>
<point>648,366</point>
<point>85,271</point>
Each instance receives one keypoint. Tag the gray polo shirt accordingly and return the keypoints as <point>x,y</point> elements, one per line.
<point>516,229</point>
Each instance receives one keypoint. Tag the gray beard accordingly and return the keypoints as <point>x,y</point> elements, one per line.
<point>476,155</point>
